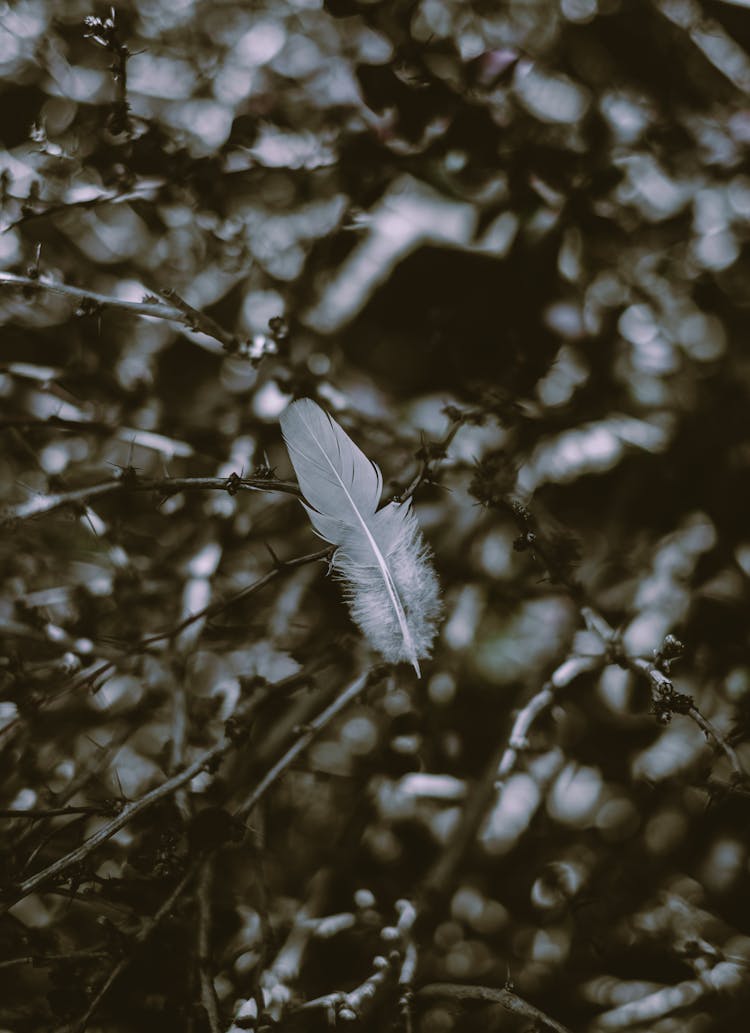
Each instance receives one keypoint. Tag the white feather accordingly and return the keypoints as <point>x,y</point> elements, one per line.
<point>390,585</point>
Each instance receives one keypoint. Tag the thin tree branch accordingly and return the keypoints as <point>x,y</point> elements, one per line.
<point>91,675</point>
<point>197,320</point>
<point>154,310</point>
<point>430,453</point>
<point>40,960</point>
<point>220,605</point>
<point>144,192</point>
<point>209,999</point>
<point>505,997</point>
<point>54,812</point>
<point>666,700</point>
<point>144,933</point>
<point>316,726</point>
<point>129,481</point>
<point>177,312</point>
<point>75,857</point>
<point>536,706</point>
<point>171,785</point>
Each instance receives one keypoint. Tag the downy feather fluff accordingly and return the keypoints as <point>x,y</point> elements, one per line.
<point>391,588</point>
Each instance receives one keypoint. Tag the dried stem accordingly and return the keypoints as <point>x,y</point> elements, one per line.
<point>177,312</point>
<point>75,857</point>
<point>666,700</point>
<point>94,673</point>
<point>130,481</point>
<point>208,990</point>
<point>53,812</point>
<point>141,937</point>
<point>144,192</point>
<point>536,706</point>
<point>505,997</point>
<point>316,726</point>
<point>429,453</point>
<point>171,785</point>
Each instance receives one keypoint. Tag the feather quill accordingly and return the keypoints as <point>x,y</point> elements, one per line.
<point>389,582</point>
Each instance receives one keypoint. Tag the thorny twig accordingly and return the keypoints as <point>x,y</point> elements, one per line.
<point>143,935</point>
<point>105,32</point>
<point>94,673</point>
<point>430,453</point>
<point>197,320</point>
<point>206,760</point>
<point>146,191</point>
<point>130,481</point>
<point>316,726</point>
<point>505,997</point>
<point>666,700</point>
<point>75,857</point>
<point>177,312</point>
<point>53,812</point>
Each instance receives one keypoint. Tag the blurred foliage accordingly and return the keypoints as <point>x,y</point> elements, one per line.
<point>507,244</point>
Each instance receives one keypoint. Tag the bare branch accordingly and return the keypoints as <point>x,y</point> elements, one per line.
<point>146,191</point>
<point>429,454</point>
<point>75,857</point>
<point>316,726</point>
<point>537,705</point>
<point>505,997</point>
<point>171,785</point>
<point>142,936</point>
<point>92,674</point>
<point>666,700</point>
<point>177,312</point>
<point>130,481</point>
<point>208,990</point>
